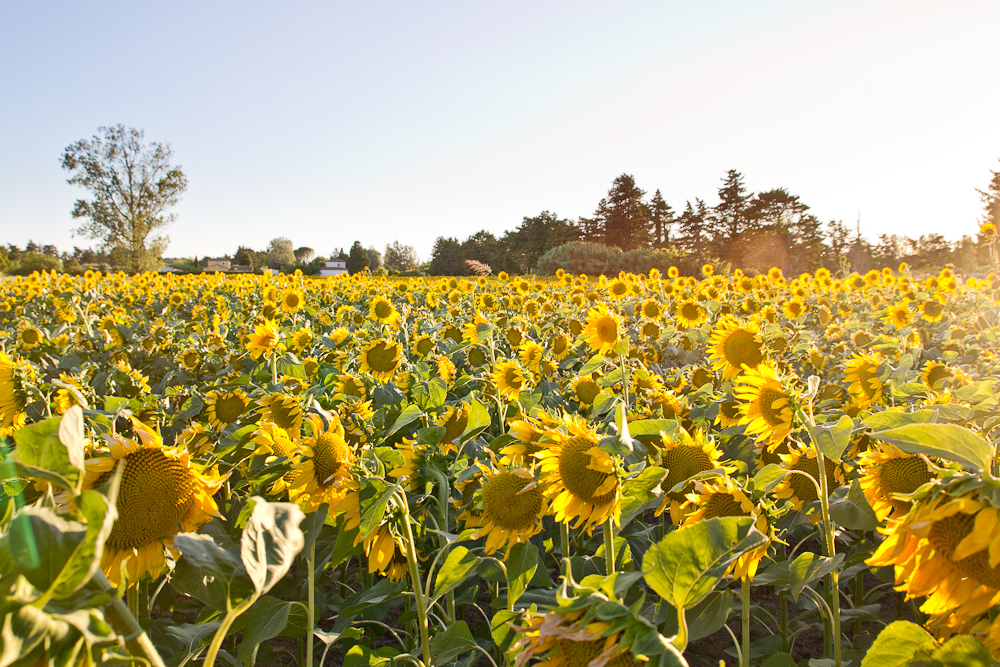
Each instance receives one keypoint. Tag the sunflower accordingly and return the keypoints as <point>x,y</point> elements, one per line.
<point>445,369</point>
<point>528,433</point>
<point>188,358</point>
<point>578,476</point>
<point>30,337</point>
<point>766,404</point>
<point>796,487</point>
<point>264,339</point>
<point>195,439</point>
<point>385,554</point>
<point>161,494</point>
<point>273,442</point>
<point>380,359</point>
<point>70,394</point>
<point>682,456</point>
<point>935,372</point>
<point>585,390</point>
<point>508,377</point>
<point>356,417</point>
<point>14,374</point>
<point>223,408</point>
<point>282,410</point>
<point>618,288</point>
<point>300,340</point>
<point>423,346</point>
<point>862,373</point>
<point>651,309</point>
<point>454,419</point>
<point>949,549</point>
<point>530,354</point>
<point>603,329</point>
<point>571,638</point>
<point>351,385</point>
<point>898,314</point>
<point>690,314</point>
<point>729,414</point>
<point>887,471</point>
<point>382,310</point>
<point>735,345</point>
<point>721,497</point>
<point>511,507</point>
<point>291,300</point>
<point>324,468</point>
<point>793,308</point>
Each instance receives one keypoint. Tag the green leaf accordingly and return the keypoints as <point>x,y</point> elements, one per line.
<point>312,525</point>
<point>686,564</point>
<point>265,620</point>
<point>430,395</point>
<point>850,509</point>
<point>779,660</point>
<point>41,542</point>
<point>809,567</point>
<point>290,365</point>
<point>521,565</point>
<point>86,558</point>
<point>962,651</point>
<point>594,363</point>
<point>453,642</point>
<point>768,477</point>
<point>271,541</point>
<point>503,634</point>
<point>832,439</point>
<point>479,421</point>
<point>887,419</point>
<point>976,391</point>
<point>39,446</point>
<point>896,645</point>
<point>649,429</point>
<point>374,497</point>
<point>457,567</point>
<point>949,441</point>
<point>708,616</point>
<point>210,572</point>
<point>409,414</point>
<point>641,489</point>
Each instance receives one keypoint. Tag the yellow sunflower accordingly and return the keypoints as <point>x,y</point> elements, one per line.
<point>651,309</point>
<point>691,314</point>
<point>66,397</point>
<point>887,471</point>
<point>530,354</point>
<point>381,310</point>
<point>386,553</point>
<point>283,410</point>
<point>324,467</point>
<point>862,373</point>
<point>380,359</point>
<point>30,337</point>
<point>735,345</point>
<point>13,395</point>
<point>585,390</point>
<point>603,329</point>
<point>509,379</point>
<point>935,373</point>
<point>265,339</point>
<point>766,404</point>
<point>565,639</point>
<point>225,407</point>
<point>898,314</point>
<point>578,476</point>
<point>682,456</point>
<point>291,300</point>
<point>721,497</point>
<point>511,507</point>
<point>274,442</point>
<point>162,494</point>
<point>796,487</point>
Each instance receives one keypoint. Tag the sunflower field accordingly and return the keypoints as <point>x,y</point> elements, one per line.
<point>565,471</point>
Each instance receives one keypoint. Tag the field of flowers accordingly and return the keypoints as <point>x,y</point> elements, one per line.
<point>568,471</point>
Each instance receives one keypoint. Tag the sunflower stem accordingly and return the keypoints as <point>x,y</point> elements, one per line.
<point>609,544</point>
<point>125,624</point>
<point>411,559</point>
<point>311,609</point>
<point>274,367</point>
<point>564,544</point>
<point>133,600</point>
<point>680,640</point>
<point>833,580</point>
<point>745,634</point>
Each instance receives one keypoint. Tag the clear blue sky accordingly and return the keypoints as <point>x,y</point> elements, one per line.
<point>330,122</point>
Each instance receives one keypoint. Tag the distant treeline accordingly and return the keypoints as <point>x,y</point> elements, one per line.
<point>752,231</point>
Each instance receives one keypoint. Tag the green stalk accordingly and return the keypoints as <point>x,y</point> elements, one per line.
<point>745,636</point>
<point>609,545</point>
<point>833,580</point>
<point>220,634</point>
<point>133,600</point>
<point>680,640</point>
<point>311,609</point>
<point>564,544</point>
<point>783,608</point>
<point>274,367</point>
<point>418,595</point>
<point>124,623</point>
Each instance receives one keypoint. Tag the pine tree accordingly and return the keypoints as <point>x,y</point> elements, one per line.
<point>622,219</point>
<point>729,217</point>
<point>661,218</point>
<point>358,258</point>
<point>991,200</point>
<point>692,230</point>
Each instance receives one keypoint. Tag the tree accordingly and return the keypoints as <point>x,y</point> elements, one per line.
<point>692,227</point>
<point>250,257</point>
<point>661,218</point>
<point>533,238</point>
<point>447,258</point>
<point>374,259</point>
<point>132,186</point>
<point>991,200</point>
<point>304,254</point>
<point>622,219</point>
<point>358,258</point>
<point>280,252</point>
<point>730,219</point>
<point>400,258</point>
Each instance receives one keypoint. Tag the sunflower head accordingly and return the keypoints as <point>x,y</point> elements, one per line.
<point>325,467</point>
<point>265,339</point>
<point>604,329</point>
<point>15,376</point>
<point>509,378</point>
<point>862,374</point>
<point>381,359</point>
<point>734,345</point>
<point>225,407</point>
<point>283,410</point>
<point>888,472</point>
<point>690,314</point>
<point>683,455</point>
<point>798,488</point>
<point>722,497</point>
<point>510,506</point>
<point>766,404</point>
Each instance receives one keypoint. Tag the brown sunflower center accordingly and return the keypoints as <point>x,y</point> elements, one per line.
<point>587,391</point>
<point>229,408</point>
<point>651,309</point>
<point>936,374</point>
<point>190,358</point>
<point>579,479</point>
<point>507,507</point>
<point>723,504</point>
<point>902,475</point>
<point>30,336</point>
<point>512,378</point>
<point>156,492</point>
<point>682,463</point>
<point>741,347</point>
<point>383,357</point>
<point>424,346</point>
<point>329,454</point>
<point>945,536</point>
<point>607,330</point>
<point>691,311</point>
<point>285,412</point>
<point>455,425</point>
<point>773,405</point>
<point>803,488</point>
<point>383,309</point>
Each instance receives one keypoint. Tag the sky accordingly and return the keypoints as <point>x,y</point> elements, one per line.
<point>331,122</point>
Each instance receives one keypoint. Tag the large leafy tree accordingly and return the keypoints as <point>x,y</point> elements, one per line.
<point>534,237</point>
<point>280,252</point>
<point>132,186</point>
<point>400,258</point>
<point>358,259</point>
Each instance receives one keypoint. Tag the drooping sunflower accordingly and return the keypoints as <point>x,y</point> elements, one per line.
<point>386,553</point>
<point>283,410</point>
<point>887,471</point>
<point>947,547</point>
<point>509,379</point>
<point>603,329</point>
<point>324,467</point>
<point>862,373</point>
<point>585,390</point>
<point>570,637</point>
<point>735,344</point>
<point>380,359</point>
<point>690,314</point>
<point>13,394</point>
<point>766,404</point>
<point>721,497</point>
<point>511,507</point>
<point>797,488</point>
<point>683,456</point>
<point>529,433</point>
<point>162,494</point>
<point>274,442</point>
<point>265,339</point>
<point>579,478</point>
<point>225,407</point>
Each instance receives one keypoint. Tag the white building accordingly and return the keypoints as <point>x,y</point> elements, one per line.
<point>334,267</point>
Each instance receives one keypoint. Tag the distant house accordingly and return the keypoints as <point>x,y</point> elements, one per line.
<point>334,267</point>
<point>168,269</point>
<point>241,268</point>
<point>217,264</point>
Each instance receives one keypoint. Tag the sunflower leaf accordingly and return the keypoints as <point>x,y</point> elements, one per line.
<point>897,644</point>
<point>849,508</point>
<point>271,541</point>
<point>454,641</point>
<point>457,567</point>
<point>40,446</point>
<point>948,441</point>
<point>521,565</point>
<point>809,567</point>
<point>832,439</point>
